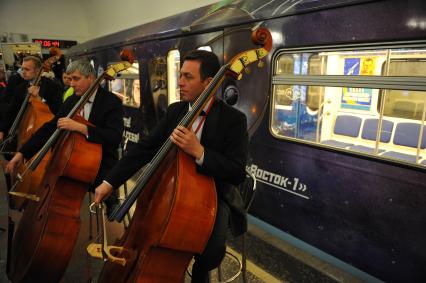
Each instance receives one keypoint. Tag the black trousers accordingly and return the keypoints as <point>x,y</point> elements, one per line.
<point>215,248</point>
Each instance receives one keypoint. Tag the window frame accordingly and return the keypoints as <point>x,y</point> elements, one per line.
<point>382,83</point>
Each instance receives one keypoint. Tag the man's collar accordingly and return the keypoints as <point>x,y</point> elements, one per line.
<point>92,98</point>
<point>206,107</point>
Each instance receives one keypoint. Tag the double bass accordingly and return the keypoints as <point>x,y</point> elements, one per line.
<point>176,206</point>
<point>24,115</point>
<point>45,238</point>
<point>32,115</point>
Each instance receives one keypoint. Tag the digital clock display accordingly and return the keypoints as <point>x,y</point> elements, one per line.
<point>47,43</point>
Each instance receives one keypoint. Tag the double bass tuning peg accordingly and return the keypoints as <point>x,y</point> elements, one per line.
<point>261,64</point>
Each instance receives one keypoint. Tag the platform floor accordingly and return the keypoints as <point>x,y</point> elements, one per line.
<point>269,259</point>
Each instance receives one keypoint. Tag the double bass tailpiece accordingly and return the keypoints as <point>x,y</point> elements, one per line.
<point>19,194</point>
<point>103,251</point>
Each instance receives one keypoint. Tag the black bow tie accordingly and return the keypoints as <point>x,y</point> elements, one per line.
<point>202,113</point>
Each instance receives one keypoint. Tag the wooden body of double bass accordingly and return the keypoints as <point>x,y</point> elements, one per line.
<point>36,114</point>
<point>48,230</point>
<point>173,221</point>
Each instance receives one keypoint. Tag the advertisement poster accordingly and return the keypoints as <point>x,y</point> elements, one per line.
<point>355,97</point>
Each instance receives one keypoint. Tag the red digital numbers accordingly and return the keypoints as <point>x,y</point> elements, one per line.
<point>48,43</point>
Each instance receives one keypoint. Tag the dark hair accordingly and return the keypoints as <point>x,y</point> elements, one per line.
<point>36,60</point>
<point>209,62</point>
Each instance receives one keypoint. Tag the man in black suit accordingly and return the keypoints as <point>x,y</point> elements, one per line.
<point>49,91</point>
<point>219,148</point>
<point>103,110</point>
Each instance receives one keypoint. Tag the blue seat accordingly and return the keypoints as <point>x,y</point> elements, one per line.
<point>337,143</point>
<point>401,156</point>
<point>365,149</point>
<point>346,125</point>
<point>407,134</point>
<point>369,131</point>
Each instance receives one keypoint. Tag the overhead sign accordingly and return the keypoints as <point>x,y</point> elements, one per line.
<point>47,43</point>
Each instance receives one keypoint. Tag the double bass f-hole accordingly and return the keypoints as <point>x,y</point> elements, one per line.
<point>103,251</point>
<point>42,208</point>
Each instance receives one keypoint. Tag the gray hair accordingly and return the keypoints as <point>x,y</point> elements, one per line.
<point>83,66</point>
<point>36,61</point>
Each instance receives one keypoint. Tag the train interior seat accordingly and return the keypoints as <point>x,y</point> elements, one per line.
<point>399,142</point>
<point>369,132</point>
<point>407,135</point>
<point>344,126</point>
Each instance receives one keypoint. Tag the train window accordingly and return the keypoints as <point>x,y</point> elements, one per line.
<point>157,70</point>
<point>283,95</point>
<point>407,66</point>
<point>317,65</point>
<point>126,86</point>
<point>321,97</point>
<point>284,65</point>
<point>173,67</point>
<point>405,104</point>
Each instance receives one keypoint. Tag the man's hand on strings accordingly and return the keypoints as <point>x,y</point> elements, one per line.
<point>14,163</point>
<point>71,125</point>
<point>34,90</point>
<point>187,141</point>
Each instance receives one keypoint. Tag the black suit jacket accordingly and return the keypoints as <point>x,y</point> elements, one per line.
<point>225,141</point>
<point>13,81</point>
<point>49,91</point>
<point>106,116</point>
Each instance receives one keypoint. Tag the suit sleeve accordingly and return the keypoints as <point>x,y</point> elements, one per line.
<point>42,135</point>
<point>228,164</point>
<point>141,153</point>
<point>13,110</point>
<point>52,93</point>
<point>111,133</point>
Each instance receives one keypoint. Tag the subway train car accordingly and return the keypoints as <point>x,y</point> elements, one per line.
<point>336,118</point>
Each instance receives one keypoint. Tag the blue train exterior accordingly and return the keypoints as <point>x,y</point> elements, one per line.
<point>364,212</point>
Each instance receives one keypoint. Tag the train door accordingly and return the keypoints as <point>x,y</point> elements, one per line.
<point>297,107</point>
<point>126,86</point>
<point>164,66</point>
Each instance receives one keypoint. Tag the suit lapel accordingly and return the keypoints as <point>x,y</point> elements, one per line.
<point>211,124</point>
<point>93,112</point>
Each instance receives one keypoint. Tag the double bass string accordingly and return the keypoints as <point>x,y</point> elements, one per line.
<point>151,167</point>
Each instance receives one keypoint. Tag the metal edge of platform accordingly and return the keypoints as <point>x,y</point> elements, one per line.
<point>310,255</point>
